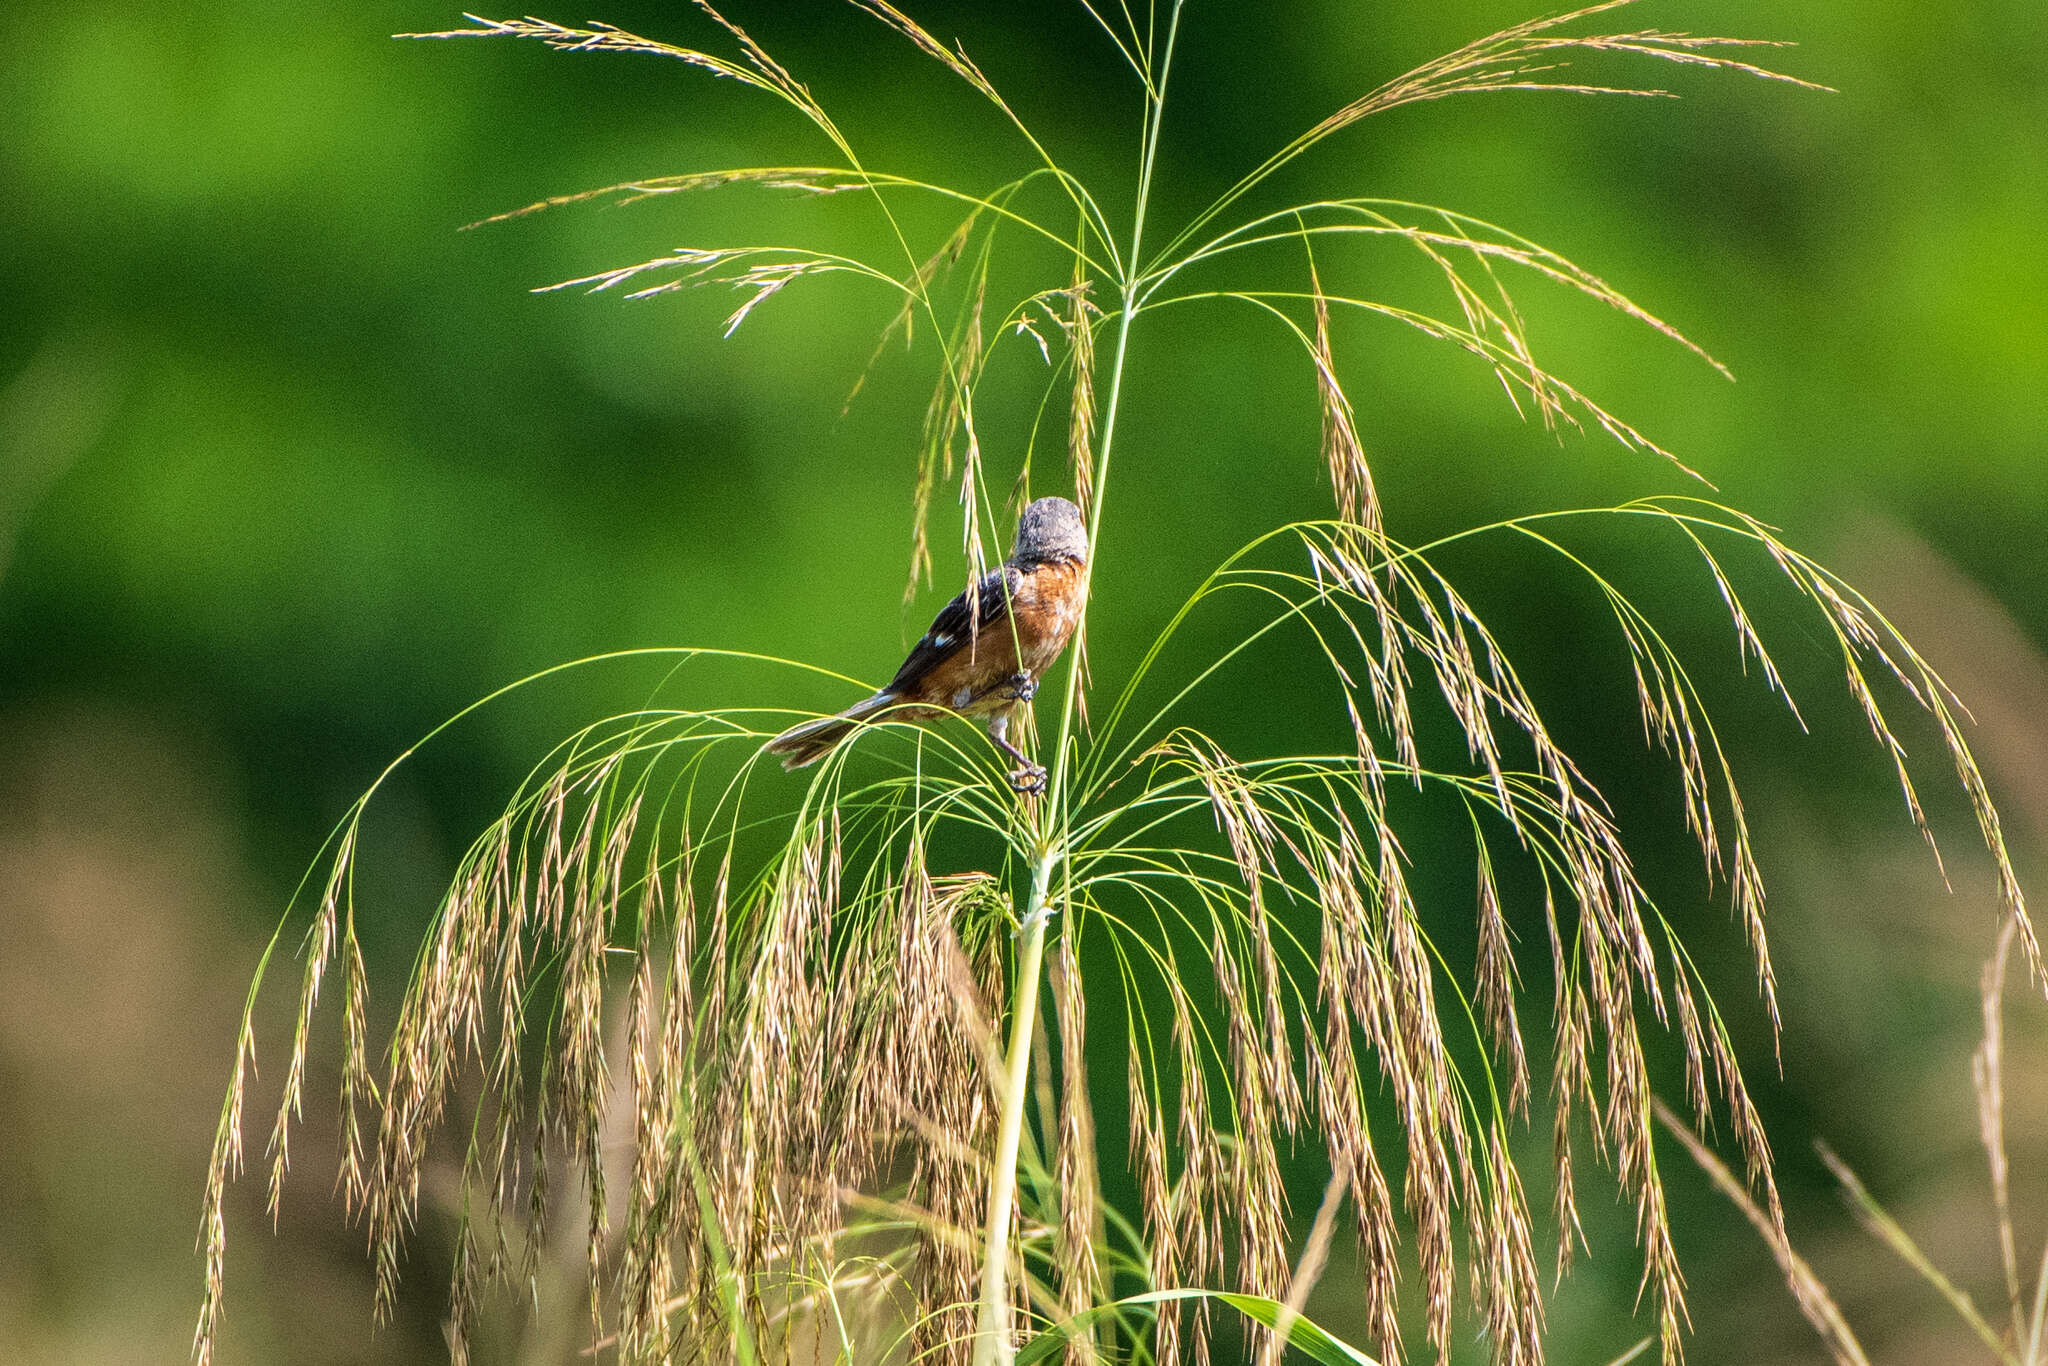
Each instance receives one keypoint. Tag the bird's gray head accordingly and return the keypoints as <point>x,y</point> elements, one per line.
<point>1050,529</point>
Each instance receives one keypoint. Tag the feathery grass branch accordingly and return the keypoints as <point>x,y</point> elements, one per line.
<point>834,1042</point>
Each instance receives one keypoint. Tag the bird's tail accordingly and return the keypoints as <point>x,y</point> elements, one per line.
<point>813,740</point>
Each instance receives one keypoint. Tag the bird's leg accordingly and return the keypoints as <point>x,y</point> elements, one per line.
<point>1028,778</point>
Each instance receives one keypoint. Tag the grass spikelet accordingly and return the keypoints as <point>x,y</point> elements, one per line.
<point>809,179</point>
<point>1987,1072</point>
<point>1250,833</point>
<point>1405,988</point>
<point>1344,1124</point>
<point>1155,1200</point>
<point>1571,1091</point>
<point>953,59</point>
<point>1079,326</point>
<point>358,1090</point>
<point>599,38</point>
<point>222,1167</point>
<point>1514,1300</point>
<point>1197,1195</point>
<point>319,949</point>
<point>771,70</point>
<point>1254,1188</point>
<point>1662,1279</point>
<point>1863,633</point>
<point>1358,501</point>
<point>1496,978</point>
<point>1080,1279</point>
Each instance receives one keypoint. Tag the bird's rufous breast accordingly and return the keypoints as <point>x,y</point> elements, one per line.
<point>1047,608</point>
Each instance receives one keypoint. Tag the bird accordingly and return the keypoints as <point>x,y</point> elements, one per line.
<point>986,649</point>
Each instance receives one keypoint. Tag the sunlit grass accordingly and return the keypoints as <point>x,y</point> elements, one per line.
<point>836,1037</point>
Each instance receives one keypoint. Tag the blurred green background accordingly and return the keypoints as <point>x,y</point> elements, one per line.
<point>290,470</point>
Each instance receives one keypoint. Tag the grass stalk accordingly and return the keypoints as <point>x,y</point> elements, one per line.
<point>992,1345</point>
<point>992,1335</point>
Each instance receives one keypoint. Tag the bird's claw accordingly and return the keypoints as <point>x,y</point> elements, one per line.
<point>1020,686</point>
<point>1028,779</point>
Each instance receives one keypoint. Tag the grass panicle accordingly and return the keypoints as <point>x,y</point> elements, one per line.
<point>777,1045</point>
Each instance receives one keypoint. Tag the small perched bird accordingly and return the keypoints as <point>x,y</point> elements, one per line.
<point>986,649</point>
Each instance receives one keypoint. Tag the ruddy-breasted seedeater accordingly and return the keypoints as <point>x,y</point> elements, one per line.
<point>985,651</point>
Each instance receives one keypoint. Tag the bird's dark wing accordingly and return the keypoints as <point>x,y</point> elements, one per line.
<point>956,621</point>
